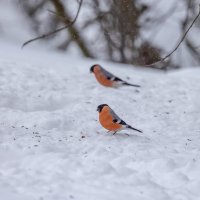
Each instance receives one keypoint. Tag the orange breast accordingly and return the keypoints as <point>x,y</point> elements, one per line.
<point>101,78</point>
<point>106,120</point>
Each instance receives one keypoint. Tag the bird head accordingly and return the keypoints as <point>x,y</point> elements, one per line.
<point>93,67</point>
<point>100,107</point>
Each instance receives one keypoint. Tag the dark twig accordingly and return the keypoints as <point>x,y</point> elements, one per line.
<point>179,43</point>
<point>57,30</point>
<point>56,14</point>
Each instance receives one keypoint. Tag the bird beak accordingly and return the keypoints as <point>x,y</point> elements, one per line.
<point>98,109</point>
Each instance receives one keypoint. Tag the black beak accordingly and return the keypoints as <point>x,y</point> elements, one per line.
<point>98,109</point>
<point>91,69</point>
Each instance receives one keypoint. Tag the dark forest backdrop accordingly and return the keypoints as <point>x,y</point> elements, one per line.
<point>116,30</point>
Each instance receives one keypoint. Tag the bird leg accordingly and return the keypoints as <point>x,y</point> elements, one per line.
<point>112,132</point>
<point>108,131</point>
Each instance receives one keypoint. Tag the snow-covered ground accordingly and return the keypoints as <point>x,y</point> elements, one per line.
<point>52,146</point>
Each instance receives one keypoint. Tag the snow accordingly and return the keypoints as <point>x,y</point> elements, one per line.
<point>52,146</point>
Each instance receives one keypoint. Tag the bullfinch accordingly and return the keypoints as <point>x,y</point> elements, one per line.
<point>110,121</point>
<point>107,79</point>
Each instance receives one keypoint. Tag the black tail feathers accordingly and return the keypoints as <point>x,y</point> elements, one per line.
<point>129,84</point>
<point>128,126</point>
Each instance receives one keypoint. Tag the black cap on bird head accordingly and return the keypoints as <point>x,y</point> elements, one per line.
<point>100,107</point>
<point>92,68</point>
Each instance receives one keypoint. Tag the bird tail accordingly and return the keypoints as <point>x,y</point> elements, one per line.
<point>129,84</point>
<point>128,126</point>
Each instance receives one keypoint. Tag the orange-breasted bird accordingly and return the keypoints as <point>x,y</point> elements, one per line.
<point>107,79</point>
<point>110,121</point>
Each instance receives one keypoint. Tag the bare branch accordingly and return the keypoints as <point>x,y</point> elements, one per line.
<point>179,43</point>
<point>57,30</point>
<point>56,14</point>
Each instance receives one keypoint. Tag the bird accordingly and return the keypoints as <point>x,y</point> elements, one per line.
<point>111,121</point>
<point>107,79</point>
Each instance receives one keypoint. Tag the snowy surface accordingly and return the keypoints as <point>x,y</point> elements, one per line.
<point>52,146</point>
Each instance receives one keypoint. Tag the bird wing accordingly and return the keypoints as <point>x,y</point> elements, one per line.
<point>110,76</point>
<point>116,118</point>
